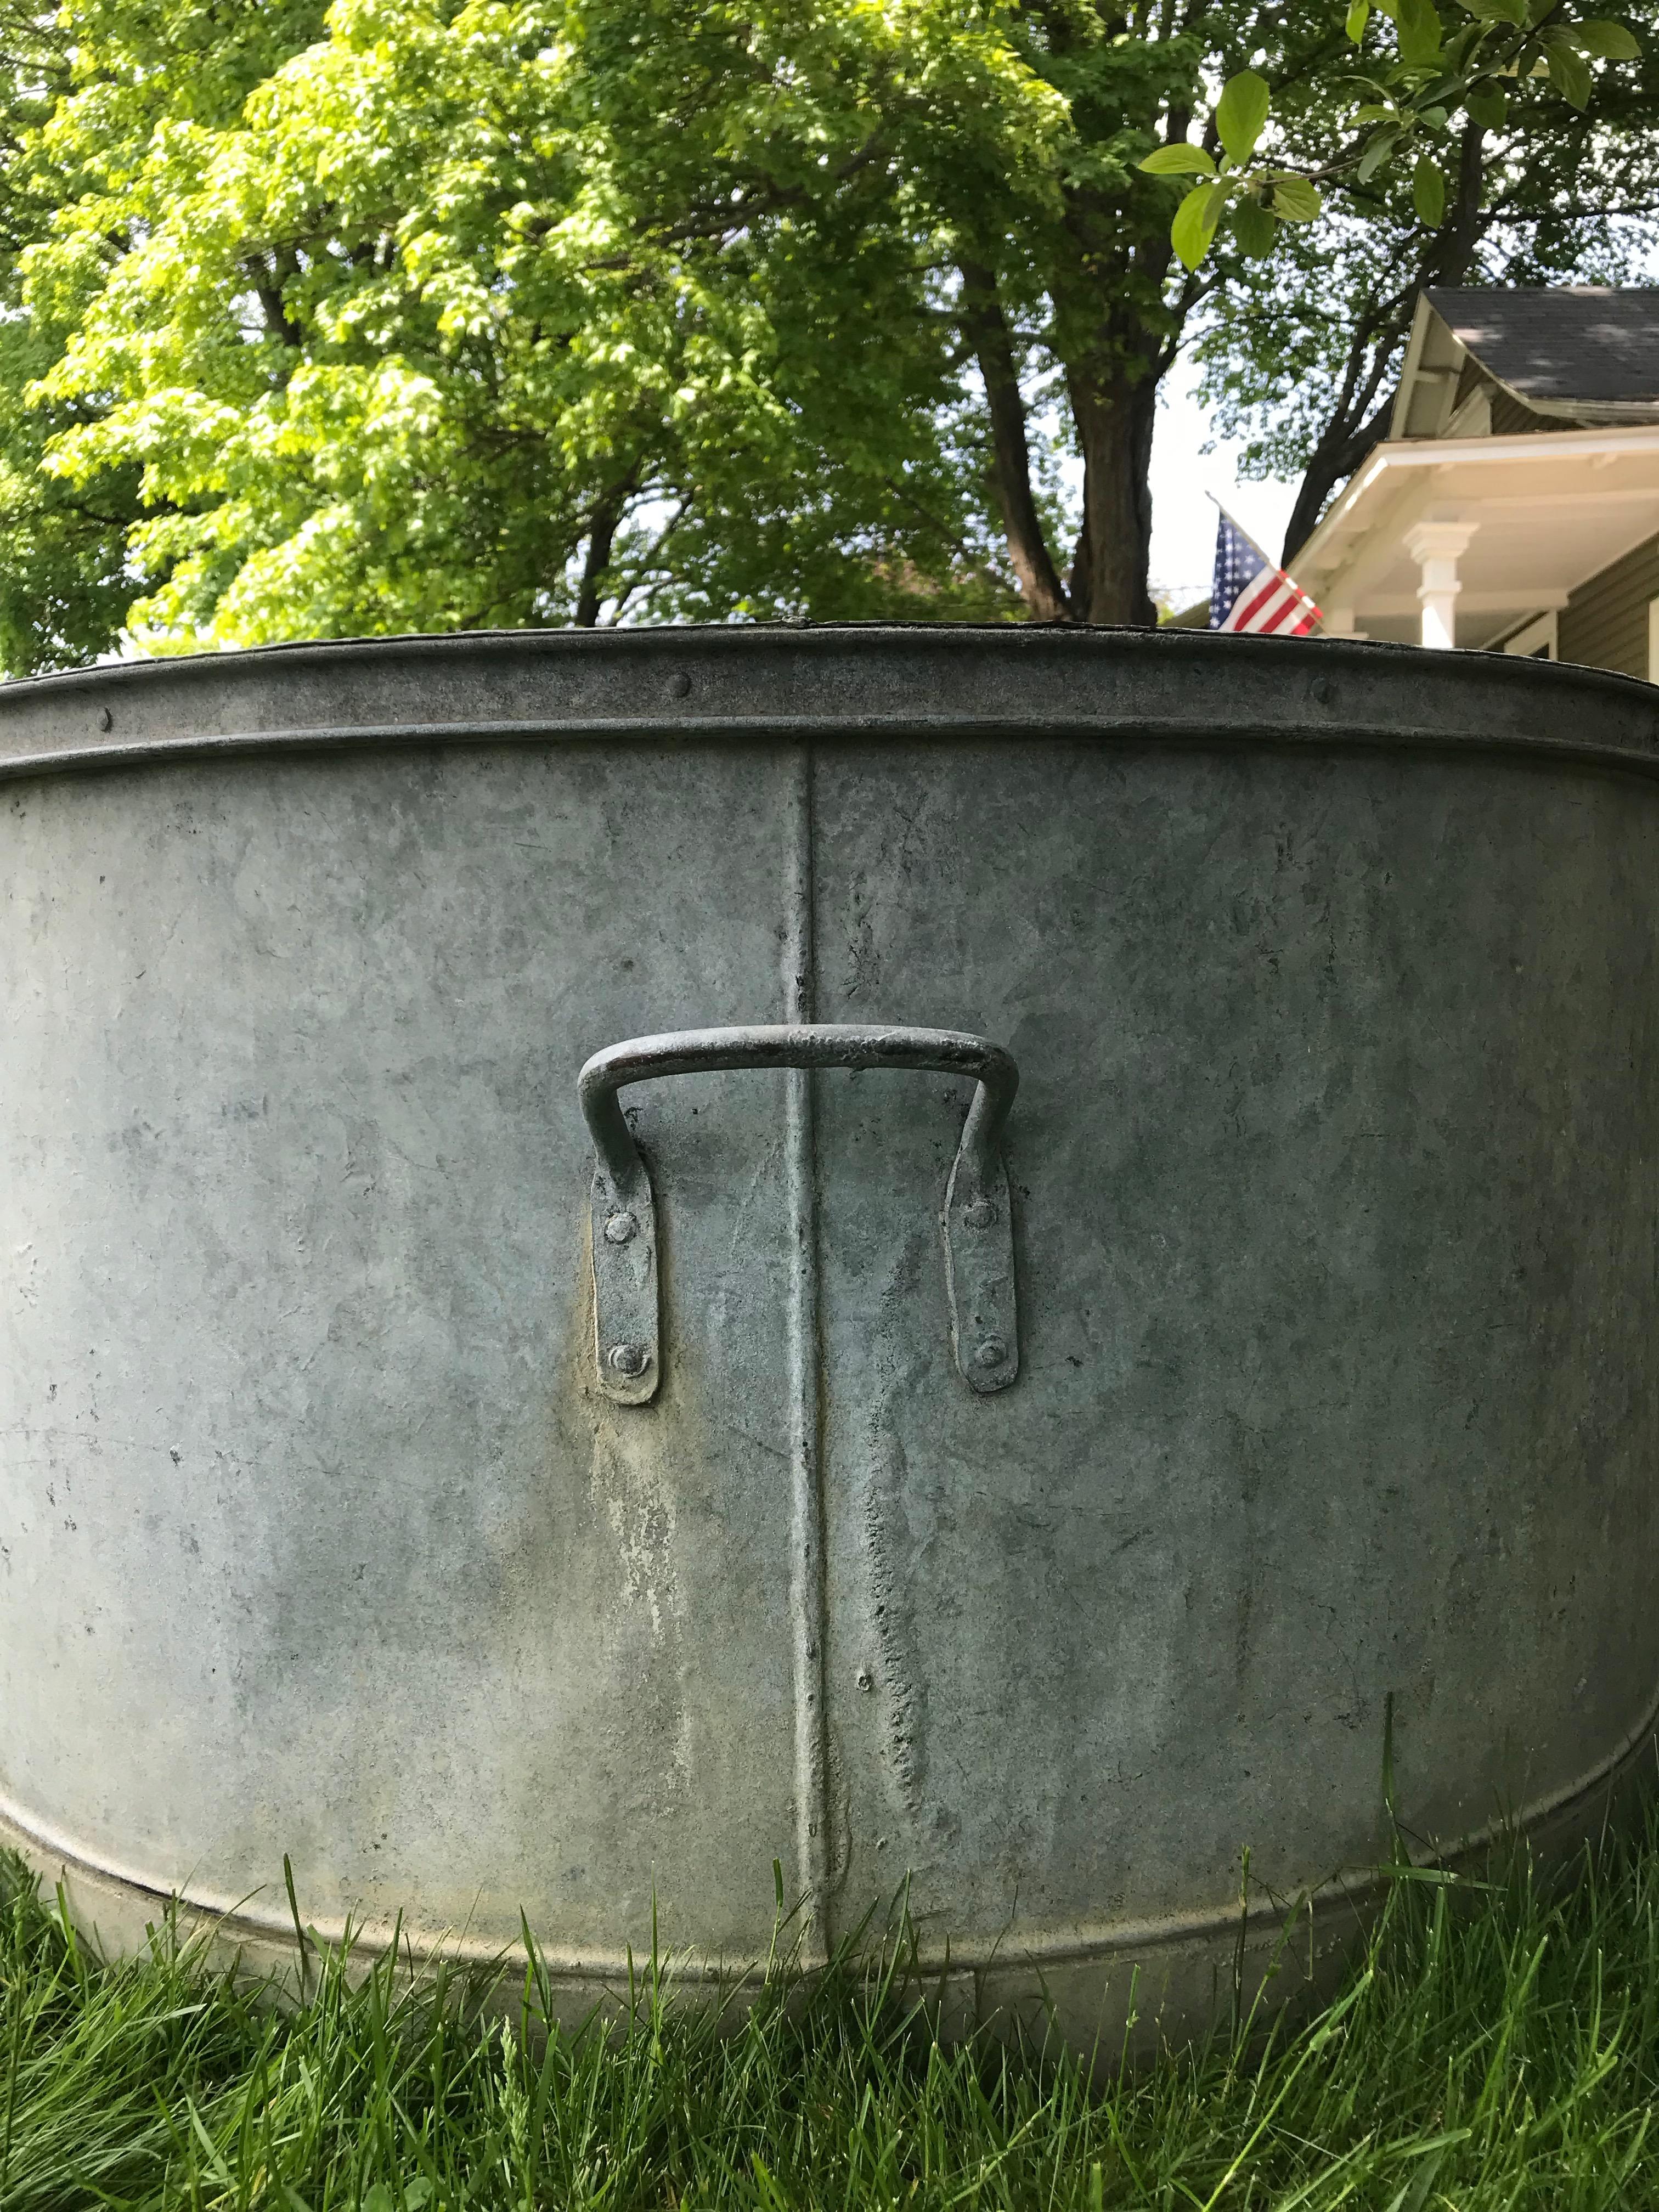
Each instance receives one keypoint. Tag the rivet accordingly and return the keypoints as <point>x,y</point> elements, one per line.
<point>679,684</point>
<point>621,1229</point>
<point>106,719</point>
<point>980,1214</point>
<point>865,1679</point>
<point>628,1359</point>
<point>991,1352</point>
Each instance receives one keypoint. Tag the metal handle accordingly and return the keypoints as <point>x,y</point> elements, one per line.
<point>977,1219</point>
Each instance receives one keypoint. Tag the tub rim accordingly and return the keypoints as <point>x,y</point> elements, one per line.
<point>782,681</point>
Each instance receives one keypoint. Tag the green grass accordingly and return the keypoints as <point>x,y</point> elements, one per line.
<point>1493,2046</point>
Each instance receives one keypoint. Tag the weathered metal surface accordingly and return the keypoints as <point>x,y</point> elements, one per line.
<point>975,1219</point>
<point>1329,971</point>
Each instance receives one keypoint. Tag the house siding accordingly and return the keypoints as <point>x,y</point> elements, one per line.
<point>1513,418</point>
<point>1604,624</point>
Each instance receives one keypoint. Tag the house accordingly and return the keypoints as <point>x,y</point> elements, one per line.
<point>1514,505</point>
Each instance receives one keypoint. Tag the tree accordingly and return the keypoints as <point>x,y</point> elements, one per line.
<point>63,581</point>
<point>459,323</point>
<point>1553,197</point>
<point>67,570</point>
<point>564,310</point>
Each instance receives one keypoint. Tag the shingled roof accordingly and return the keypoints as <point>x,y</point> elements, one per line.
<point>1582,346</point>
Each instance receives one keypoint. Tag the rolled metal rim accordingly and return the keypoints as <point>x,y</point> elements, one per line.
<point>1020,681</point>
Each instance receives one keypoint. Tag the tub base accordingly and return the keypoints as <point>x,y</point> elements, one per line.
<point>1149,1991</point>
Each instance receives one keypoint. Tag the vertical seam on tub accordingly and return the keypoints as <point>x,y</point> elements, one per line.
<point>807,1600</point>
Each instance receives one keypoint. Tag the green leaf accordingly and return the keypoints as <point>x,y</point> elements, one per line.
<point>1194,225</point>
<point>1241,111</point>
<point>1608,41</point>
<point>1570,78</point>
<point>1497,11</point>
<point>1373,112</point>
<point>1569,71</point>
<point>1178,161</point>
<point>1359,14</point>
<point>1295,200</point>
<point>1487,105</point>
<point>1418,25</point>
<point>1255,229</point>
<point>1429,191</point>
<point>1379,150</point>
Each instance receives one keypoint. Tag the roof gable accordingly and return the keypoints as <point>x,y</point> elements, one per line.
<point>1580,343</point>
<point>1580,354</point>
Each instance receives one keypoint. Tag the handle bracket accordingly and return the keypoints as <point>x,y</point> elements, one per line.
<point>977,1219</point>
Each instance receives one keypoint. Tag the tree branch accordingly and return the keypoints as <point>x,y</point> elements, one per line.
<point>608,510</point>
<point>986,327</point>
<point>1355,426</point>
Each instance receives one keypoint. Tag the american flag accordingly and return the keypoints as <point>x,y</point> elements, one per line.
<point>1250,593</point>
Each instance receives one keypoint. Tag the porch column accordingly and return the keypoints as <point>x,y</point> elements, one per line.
<point>1437,548</point>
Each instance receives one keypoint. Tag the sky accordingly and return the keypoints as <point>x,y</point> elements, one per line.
<point>1183,519</point>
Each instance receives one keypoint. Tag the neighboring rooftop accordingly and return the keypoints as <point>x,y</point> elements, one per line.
<point>1486,360</point>
<point>1584,341</point>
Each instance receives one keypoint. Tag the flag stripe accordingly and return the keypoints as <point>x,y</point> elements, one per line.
<point>1252,605</point>
<point>1261,608</point>
<point>1283,610</point>
<point>1250,594</point>
<point>1274,609</point>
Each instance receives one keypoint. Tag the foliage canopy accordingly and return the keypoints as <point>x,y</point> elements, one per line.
<point>416,314</point>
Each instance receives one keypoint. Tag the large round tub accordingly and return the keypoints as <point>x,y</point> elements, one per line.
<point>1099,1281</point>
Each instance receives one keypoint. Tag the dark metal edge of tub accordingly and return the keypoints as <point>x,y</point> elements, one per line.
<point>760,682</point>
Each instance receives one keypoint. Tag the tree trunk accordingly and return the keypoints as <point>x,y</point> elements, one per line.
<point>1114,299</point>
<point>1115,415</point>
<point>601,535</point>
<point>1112,362</point>
<point>987,330</point>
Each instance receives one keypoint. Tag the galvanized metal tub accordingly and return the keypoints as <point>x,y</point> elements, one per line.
<point>1300,1371</point>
